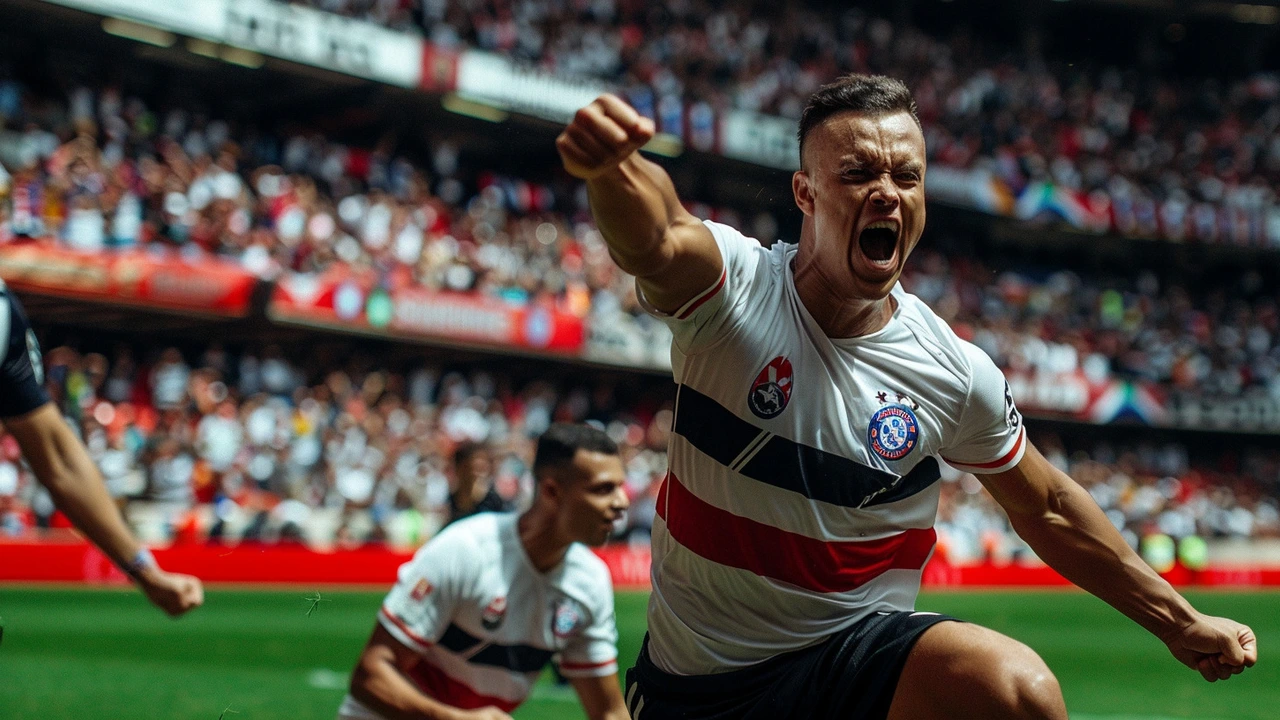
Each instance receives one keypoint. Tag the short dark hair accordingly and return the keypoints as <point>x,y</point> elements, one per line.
<point>874,94</point>
<point>562,441</point>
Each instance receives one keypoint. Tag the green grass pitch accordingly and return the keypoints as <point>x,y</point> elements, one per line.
<point>257,655</point>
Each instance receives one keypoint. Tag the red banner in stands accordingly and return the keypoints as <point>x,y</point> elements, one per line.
<point>374,565</point>
<point>345,301</point>
<point>169,281</point>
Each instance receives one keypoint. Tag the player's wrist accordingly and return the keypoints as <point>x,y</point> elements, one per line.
<point>141,567</point>
<point>1172,619</point>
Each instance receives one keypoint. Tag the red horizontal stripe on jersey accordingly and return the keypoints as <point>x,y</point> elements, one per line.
<point>808,563</point>
<point>704,298</point>
<point>1022,434</point>
<point>405,628</point>
<point>434,682</point>
<point>586,666</point>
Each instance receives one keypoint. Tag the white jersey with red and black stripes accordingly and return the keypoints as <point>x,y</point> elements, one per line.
<point>803,481</point>
<point>486,622</point>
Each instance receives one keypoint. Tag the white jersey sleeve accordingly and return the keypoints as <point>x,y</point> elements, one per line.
<point>594,651</point>
<point>991,437</point>
<point>705,319</point>
<point>421,604</point>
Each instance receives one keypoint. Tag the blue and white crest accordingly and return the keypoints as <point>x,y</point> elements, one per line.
<point>893,432</point>
<point>567,617</point>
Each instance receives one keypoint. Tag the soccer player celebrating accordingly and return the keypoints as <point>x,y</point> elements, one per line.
<point>815,396</point>
<point>62,464</point>
<point>484,605</point>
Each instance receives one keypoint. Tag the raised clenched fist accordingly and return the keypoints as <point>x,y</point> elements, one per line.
<point>602,135</point>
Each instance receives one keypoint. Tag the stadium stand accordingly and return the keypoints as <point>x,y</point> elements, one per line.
<point>1146,154</point>
<point>102,172</point>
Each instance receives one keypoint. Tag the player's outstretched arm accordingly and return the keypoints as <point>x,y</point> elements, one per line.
<point>379,682</point>
<point>601,697</point>
<point>1067,529</point>
<point>63,466</point>
<point>649,233</point>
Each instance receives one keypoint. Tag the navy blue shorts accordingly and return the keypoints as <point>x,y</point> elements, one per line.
<point>850,676</point>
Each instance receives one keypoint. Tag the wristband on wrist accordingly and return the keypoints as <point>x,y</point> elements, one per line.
<point>142,560</point>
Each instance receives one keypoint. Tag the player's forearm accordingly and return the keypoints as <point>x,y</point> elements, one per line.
<point>378,684</point>
<point>635,206</point>
<point>64,467</point>
<point>1074,537</point>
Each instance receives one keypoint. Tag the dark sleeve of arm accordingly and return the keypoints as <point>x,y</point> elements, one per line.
<point>21,369</point>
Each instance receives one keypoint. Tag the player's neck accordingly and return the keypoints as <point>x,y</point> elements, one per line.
<point>542,543</point>
<point>838,314</point>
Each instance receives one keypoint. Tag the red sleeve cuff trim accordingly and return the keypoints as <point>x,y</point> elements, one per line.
<point>587,666</point>
<point>399,624</point>
<point>1017,446</point>
<point>699,301</point>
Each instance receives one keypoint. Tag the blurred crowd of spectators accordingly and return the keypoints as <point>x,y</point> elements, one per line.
<point>249,446</point>
<point>252,446</point>
<point>1145,489</point>
<point>1172,156</point>
<point>1214,341</point>
<point>100,171</point>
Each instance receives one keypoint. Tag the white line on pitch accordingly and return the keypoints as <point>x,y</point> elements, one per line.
<point>326,679</point>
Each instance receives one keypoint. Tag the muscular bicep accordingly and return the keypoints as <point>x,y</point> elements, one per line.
<point>1032,487</point>
<point>384,648</point>
<point>688,266</point>
<point>45,440</point>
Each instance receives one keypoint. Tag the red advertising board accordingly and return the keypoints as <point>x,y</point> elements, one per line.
<point>80,562</point>
<point>159,280</point>
<point>345,301</point>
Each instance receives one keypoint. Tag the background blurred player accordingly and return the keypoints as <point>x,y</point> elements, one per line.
<point>483,606</point>
<point>814,395</point>
<point>62,464</point>
<point>473,491</point>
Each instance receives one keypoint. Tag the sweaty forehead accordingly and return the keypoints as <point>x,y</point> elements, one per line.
<point>889,138</point>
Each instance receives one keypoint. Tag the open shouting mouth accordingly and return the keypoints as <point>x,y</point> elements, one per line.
<point>878,248</point>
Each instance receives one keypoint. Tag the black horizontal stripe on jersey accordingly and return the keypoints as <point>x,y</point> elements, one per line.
<point>817,474</point>
<point>517,658</point>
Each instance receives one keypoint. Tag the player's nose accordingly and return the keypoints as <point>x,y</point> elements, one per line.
<point>620,501</point>
<point>884,193</point>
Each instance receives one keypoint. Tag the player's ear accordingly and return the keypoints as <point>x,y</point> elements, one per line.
<point>802,189</point>
<point>549,487</point>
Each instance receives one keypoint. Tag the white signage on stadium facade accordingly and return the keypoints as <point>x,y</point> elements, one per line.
<point>1250,414</point>
<point>303,35</point>
<point>760,139</point>
<point>494,80</point>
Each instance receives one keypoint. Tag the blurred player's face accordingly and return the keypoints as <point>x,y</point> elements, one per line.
<point>474,469</point>
<point>591,497</point>
<point>862,192</point>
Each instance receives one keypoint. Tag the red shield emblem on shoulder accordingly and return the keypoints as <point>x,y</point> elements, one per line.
<point>771,390</point>
<point>421,590</point>
<point>491,617</point>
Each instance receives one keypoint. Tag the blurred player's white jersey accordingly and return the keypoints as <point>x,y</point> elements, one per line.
<point>486,622</point>
<point>802,489</point>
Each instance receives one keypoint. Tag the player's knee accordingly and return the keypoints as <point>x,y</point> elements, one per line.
<point>1028,689</point>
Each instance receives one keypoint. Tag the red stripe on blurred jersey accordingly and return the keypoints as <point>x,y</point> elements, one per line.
<point>816,565</point>
<point>434,682</point>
